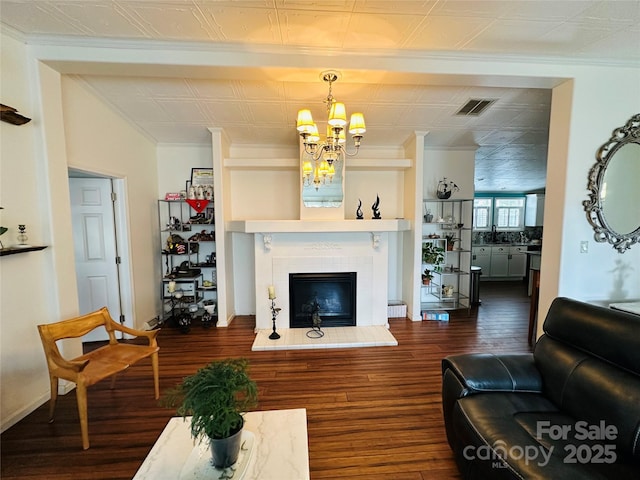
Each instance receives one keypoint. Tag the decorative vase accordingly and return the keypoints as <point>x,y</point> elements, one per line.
<point>426,281</point>
<point>225,451</point>
<point>22,235</point>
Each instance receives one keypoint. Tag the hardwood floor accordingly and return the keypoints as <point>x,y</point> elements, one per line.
<point>372,412</point>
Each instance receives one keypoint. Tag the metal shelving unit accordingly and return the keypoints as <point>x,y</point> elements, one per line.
<point>188,254</point>
<point>449,230</point>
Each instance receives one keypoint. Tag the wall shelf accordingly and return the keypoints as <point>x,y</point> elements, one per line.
<point>294,164</point>
<point>14,250</point>
<point>317,226</point>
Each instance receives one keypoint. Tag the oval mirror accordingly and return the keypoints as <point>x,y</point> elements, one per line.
<point>613,208</point>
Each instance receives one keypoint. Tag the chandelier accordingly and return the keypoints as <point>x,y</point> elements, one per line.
<point>319,166</point>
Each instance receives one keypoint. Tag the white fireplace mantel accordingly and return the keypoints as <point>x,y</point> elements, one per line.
<point>317,226</point>
<point>282,247</point>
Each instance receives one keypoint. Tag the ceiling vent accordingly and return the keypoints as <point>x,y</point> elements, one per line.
<point>474,107</point>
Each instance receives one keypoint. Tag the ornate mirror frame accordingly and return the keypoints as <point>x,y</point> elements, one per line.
<point>628,134</point>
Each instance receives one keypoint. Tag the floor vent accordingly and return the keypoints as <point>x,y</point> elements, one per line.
<point>474,107</point>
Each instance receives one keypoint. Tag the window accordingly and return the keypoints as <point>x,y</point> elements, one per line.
<point>509,213</point>
<point>506,213</point>
<point>482,213</point>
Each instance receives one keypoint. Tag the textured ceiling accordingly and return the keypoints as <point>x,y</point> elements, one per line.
<point>256,105</point>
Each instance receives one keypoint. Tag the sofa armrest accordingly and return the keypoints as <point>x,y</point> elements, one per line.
<point>485,372</point>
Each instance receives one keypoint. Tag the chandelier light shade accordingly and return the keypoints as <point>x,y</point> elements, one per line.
<point>320,155</point>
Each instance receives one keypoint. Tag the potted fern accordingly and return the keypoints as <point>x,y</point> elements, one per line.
<point>216,396</point>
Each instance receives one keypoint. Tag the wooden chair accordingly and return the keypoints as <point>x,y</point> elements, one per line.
<point>101,363</point>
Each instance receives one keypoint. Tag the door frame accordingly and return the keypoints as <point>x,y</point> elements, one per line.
<point>121,222</point>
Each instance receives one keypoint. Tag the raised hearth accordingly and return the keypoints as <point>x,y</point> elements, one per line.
<point>338,337</point>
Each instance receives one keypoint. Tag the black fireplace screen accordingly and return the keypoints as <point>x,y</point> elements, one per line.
<point>332,296</point>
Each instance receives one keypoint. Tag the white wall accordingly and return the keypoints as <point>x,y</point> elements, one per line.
<point>365,186</point>
<point>98,140</point>
<point>175,163</point>
<point>456,165</point>
<point>584,113</point>
<point>266,194</point>
<point>35,192</point>
<point>70,127</point>
<point>24,278</point>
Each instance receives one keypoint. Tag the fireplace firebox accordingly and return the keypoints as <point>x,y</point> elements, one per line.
<point>328,297</point>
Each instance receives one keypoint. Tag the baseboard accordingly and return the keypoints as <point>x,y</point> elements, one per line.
<point>15,417</point>
<point>64,387</point>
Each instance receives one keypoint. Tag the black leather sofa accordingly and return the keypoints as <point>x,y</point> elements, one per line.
<point>570,410</point>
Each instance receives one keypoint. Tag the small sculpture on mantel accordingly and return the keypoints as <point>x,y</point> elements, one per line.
<point>376,209</point>
<point>359,214</point>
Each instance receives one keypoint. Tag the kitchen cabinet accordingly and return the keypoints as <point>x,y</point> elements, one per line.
<point>481,257</point>
<point>517,261</point>
<point>534,210</point>
<point>534,264</point>
<point>499,261</point>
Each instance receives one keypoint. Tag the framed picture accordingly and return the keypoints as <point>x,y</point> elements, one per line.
<point>201,177</point>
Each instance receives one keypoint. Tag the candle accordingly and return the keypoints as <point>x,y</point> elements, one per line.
<point>172,286</point>
<point>272,292</point>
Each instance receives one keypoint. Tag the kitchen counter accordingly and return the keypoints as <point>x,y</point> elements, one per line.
<point>507,244</point>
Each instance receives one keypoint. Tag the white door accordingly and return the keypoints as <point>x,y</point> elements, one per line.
<point>94,238</point>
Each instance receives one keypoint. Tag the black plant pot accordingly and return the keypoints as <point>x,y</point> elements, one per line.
<point>225,451</point>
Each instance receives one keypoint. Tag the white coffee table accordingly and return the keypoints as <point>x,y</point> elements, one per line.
<point>629,307</point>
<point>280,448</point>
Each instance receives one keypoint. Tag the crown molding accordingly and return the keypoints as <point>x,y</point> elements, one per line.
<point>79,41</point>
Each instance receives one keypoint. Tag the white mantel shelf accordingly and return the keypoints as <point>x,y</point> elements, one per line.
<point>318,226</point>
<point>294,163</point>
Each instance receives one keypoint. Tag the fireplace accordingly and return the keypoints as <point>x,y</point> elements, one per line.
<point>330,296</point>
<point>283,247</point>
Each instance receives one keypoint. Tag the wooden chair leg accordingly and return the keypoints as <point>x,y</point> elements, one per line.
<point>54,396</point>
<point>156,375</point>
<point>81,395</point>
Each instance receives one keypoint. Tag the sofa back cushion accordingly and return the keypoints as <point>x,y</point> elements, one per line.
<point>589,359</point>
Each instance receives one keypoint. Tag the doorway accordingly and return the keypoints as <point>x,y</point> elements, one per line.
<point>100,247</point>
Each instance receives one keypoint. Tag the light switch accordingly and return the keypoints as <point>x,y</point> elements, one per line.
<point>584,246</point>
